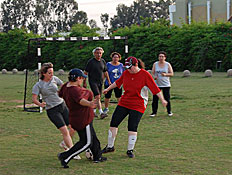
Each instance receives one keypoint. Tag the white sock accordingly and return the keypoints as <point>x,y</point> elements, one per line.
<point>131,142</point>
<point>100,111</point>
<point>94,110</point>
<point>111,139</point>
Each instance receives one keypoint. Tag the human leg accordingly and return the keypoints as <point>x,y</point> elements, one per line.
<point>154,105</point>
<point>166,93</point>
<point>66,136</point>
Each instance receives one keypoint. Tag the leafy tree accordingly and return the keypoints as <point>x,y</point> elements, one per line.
<point>126,16</point>
<point>92,24</point>
<point>40,16</point>
<point>105,20</point>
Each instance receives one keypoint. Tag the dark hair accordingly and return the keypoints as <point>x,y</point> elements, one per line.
<point>72,79</point>
<point>162,52</point>
<point>141,64</point>
<point>44,69</point>
<point>116,53</point>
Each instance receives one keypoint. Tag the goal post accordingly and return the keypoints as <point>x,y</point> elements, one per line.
<point>32,77</point>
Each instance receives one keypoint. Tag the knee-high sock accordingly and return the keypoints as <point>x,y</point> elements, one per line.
<point>111,139</point>
<point>131,142</point>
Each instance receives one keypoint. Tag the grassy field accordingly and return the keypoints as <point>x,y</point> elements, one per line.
<point>196,140</point>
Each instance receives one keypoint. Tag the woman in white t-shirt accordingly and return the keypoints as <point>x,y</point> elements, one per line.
<point>162,71</point>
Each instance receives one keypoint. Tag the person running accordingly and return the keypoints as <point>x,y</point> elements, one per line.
<point>136,81</point>
<point>96,70</point>
<point>162,71</point>
<point>57,110</point>
<point>80,105</point>
<point>115,70</point>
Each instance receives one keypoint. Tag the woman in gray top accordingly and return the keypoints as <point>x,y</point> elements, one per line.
<point>56,108</point>
<point>162,71</point>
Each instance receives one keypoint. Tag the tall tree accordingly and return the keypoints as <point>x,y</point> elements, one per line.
<point>41,16</point>
<point>93,24</point>
<point>126,16</point>
<point>105,19</point>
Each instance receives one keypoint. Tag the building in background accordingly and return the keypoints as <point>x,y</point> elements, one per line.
<point>210,11</point>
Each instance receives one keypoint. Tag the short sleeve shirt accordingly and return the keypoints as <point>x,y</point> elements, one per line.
<point>114,72</point>
<point>79,116</point>
<point>49,90</point>
<point>95,70</point>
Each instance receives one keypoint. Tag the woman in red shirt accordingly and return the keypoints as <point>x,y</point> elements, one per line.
<point>136,81</point>
<point>80,105</point>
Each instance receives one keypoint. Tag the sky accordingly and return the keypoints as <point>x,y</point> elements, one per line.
<point>94,8</point>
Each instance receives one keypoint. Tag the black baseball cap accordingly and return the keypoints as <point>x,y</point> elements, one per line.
<point>74,73</point>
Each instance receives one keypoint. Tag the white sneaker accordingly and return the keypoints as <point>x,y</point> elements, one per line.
<point>77,157</point>
<point>63,145</point>
<point>170,114</point>
<point>152,115</point>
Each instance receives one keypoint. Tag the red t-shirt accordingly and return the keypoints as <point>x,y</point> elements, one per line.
<point>79,116</point>
<point>136,87</point>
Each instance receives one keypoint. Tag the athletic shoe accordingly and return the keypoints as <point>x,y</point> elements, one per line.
<point>101,159</point>
<point>170,114</point>
<point>108,149</point>
<point>95,115</point>
<point>63,145</point>
<point>130,154</point>
<point>63,163</point>
<point>103,115</point>
<point>77,157</point>
<point>152,115</point>
<point>106,110</point>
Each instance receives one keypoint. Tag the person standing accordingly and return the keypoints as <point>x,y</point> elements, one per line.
<point>115,70</point>
<point>80,104</point>
<point>162,71</point>
<point>56,109</point>
<point>96,70</point>
<point>136,81</point>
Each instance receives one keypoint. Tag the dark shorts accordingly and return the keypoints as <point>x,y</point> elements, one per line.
<point>96,88</point>
<point>59,115</point>
<point>121,112</point>
<point>117,92</point>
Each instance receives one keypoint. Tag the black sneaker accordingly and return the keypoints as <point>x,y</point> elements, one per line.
<point>101,159</point>
<point>108,149</point>
<point>130,154</point>
<point>103,115</point>
<point>63,163</point>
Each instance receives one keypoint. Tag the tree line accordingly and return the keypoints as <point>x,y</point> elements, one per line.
<point>195,47</point>
<point>53,16</point>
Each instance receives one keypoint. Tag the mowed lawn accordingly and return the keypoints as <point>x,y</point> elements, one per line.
<point>196,140</point>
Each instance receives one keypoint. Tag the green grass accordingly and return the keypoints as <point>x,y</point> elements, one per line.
<point>197,140</point>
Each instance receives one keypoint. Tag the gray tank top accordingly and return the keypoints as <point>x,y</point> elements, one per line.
<point>161,80</point>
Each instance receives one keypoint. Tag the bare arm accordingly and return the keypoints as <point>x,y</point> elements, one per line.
<point>170,71</point>
<point>36,101</point>
<point>91,104</point>
<point>107,77</point>
<point>112,86</point>
<point>153,71</point>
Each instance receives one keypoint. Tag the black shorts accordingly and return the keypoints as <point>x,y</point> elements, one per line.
<point>121,112</point>
<point>59,115</point>
<point>96,88</point>
<point>117,92</point>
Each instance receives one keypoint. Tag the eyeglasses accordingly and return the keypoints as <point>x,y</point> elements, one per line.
<point>161,56</point>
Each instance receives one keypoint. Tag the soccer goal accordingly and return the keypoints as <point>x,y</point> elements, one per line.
<point>36,44</point>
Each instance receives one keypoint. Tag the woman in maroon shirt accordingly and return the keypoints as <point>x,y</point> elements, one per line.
<point>80,104</point>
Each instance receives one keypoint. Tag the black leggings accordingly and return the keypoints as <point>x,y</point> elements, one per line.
<point>166,93</point>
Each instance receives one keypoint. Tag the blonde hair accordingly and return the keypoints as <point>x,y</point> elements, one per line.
<point>44,69</point>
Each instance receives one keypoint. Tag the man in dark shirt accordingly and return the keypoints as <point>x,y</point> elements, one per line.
<point>96,70</point>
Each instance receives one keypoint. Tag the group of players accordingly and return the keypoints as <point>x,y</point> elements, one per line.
<point>73,107</point>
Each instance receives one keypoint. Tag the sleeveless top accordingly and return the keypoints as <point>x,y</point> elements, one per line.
<point>161,80</point>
